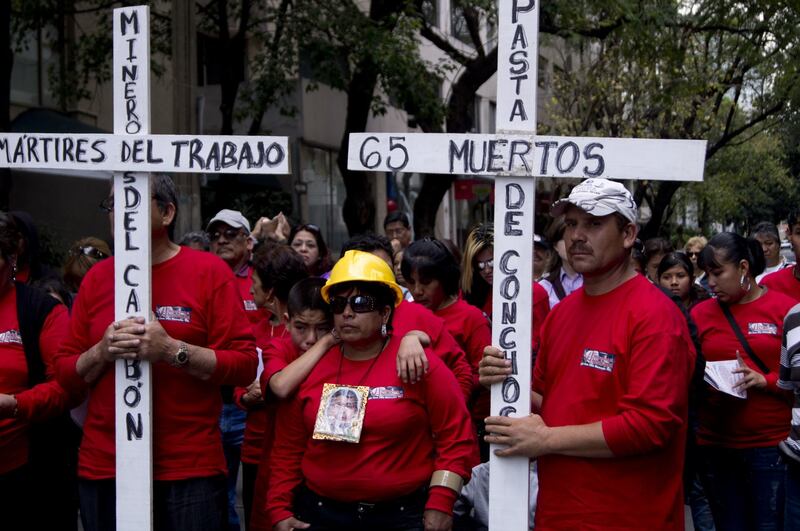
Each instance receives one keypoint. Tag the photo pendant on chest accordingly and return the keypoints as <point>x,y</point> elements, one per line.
<point>341,413</point>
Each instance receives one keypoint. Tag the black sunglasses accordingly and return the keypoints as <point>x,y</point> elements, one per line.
<point>230,234</point>
<point>88,250</point>
<point>358,303</point>
<point>693,254</point>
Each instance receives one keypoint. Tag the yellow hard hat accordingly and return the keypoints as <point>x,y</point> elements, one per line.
<point>358,266</point>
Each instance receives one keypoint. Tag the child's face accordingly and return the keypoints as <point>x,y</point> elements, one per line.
<point>307,327</point>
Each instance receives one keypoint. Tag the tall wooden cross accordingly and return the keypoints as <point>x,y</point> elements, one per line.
<point>515,156</point>
<point>132,153</point>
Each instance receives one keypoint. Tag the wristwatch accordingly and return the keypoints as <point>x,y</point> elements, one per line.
<point>181,357</point>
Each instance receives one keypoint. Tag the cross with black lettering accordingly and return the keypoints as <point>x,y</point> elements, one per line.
<point>132,153</point>
<point>515,156</point>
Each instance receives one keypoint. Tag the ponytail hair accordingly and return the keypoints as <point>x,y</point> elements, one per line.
<point>729,247</point>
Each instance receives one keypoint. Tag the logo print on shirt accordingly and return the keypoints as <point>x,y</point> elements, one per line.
<point>10,337</point>
<point>385,393</point>
<point>602,361</point>
<point>179,314</point>
<point>250,305</point>
<point>762,329</point>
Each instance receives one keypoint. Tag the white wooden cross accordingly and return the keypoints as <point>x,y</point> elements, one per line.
<point>131,153</point>
<point>515,156</point>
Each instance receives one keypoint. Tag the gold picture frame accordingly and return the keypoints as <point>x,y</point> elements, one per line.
<point>341,413</point>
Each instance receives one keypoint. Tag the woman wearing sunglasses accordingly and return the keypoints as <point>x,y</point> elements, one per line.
<point>477,267</point>
<point>84,253</point>
<point>399,453</point>
<point>307,240</point>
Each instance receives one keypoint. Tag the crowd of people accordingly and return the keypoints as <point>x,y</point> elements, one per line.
<point>352,394</point>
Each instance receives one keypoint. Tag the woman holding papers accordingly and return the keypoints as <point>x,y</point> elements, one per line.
<point>742,470</point>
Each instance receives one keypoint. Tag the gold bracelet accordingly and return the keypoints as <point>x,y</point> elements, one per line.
<point>445,478</point>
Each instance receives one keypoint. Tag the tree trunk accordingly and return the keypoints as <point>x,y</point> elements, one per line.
<point>476,73</point>
<point>666,191</point>
<point>358,210</point>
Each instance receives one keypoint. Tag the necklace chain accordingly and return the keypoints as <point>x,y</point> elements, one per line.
<point>369,369</point>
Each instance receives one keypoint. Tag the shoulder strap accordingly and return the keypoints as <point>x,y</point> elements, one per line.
<point>555,280</point>
<point>742,339</point>
<point>33,307</point>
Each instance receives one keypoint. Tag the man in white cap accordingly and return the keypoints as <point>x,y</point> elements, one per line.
<point>229,237</point>
<point>610,384</point>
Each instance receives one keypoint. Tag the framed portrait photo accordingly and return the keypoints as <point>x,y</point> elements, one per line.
<point>341,413</point>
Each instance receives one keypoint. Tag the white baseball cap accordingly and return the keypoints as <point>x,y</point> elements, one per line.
<point>233,218</point>
<point>599,197</point>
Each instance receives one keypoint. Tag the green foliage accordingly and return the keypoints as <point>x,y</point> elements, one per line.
<point>745,184</point>
<point>720,70</point>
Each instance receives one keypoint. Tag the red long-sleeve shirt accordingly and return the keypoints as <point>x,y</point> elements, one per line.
<point>471,329</point>
<point>404,439</point>
<point>764,417</point>
<point>35,403</point>
<point>196,301</point>
<point>409,316</point>
<point>257,421</point>
<point>624,359</point>
<point>783,281</point>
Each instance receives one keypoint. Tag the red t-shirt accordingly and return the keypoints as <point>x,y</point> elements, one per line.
<point>410,432</point>
<point>409,316</point>
<point>783,281</point>
<point>277,355</point>
<point>471,329</point>
<point>196,301</point>
<point>40,402</point>
<point>244,280</point>
<point>541,307</point>
<point>257,421</point>
<point>763,418</point>
<point>625,359</point>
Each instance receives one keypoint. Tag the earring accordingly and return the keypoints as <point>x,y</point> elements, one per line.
<point>742,283</point>
<point>13,271</point>
<point>335,334</point>
<point>384,331</point>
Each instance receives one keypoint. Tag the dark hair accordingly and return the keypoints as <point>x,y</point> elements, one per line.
<point>673,259</point>
<point>395,216</point>
<point>307,295</point>
<point>279,267</point>
<point>323,263</point>
<point>55,287</point>
<point>793,218</point>
<point>453,248</point>
<point>196,237</point>
<point>9,236</point>
<point>80,260</point>
<point>766,228</point>
<point>164,192</point>
<point>382,293</point>
<point>432,261</point>
<point>369,242</point>
<point>656,246</point>
<point>733,248</point>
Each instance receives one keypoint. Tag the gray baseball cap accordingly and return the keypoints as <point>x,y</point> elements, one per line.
<point>599,197</point>
<point>233,218</point>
